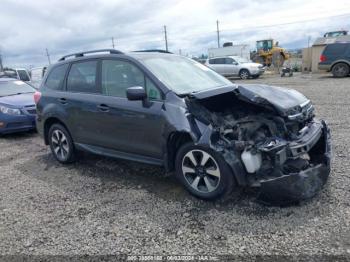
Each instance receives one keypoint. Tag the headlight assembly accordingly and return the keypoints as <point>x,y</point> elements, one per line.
<point>9,111</point>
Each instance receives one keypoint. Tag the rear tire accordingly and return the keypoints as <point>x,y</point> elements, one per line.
<point>203,172</point>
<point>244,74</point>
<point>61,144</point>
<point>340,70</point>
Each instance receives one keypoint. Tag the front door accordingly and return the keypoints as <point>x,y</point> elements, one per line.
<point>124,125</point>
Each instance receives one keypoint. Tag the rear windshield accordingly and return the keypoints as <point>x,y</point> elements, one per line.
<point>336,49</point>
<point>9,88</point>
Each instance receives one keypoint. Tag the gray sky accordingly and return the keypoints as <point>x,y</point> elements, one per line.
<point>27,27</point>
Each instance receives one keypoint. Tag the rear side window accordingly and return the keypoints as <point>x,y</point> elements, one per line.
<point>82,77</point>
<point>217,61</point>
<point>336,49</point>
<point>56,77</point>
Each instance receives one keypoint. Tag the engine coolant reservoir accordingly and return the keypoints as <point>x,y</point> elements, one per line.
<point>251,160</point>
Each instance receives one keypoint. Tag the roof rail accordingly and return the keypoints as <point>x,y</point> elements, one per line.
<point>80,54</point>
<point>154,50</point>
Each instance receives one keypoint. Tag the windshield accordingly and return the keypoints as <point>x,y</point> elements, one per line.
<point>241,60</point>
<point>183,75</point>
<point>9,88</point>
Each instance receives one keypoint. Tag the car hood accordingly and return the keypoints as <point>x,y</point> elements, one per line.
<point>280,98</point>
<point>18,100</point>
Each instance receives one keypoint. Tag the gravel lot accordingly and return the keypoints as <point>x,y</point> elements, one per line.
<point>105,206</point>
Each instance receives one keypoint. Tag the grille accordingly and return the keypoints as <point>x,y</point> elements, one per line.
<point>31,111</point>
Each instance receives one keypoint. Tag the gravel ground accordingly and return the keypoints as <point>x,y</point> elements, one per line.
<point>105,206</point>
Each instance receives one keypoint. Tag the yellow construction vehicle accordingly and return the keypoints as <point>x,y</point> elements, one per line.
<point>269,53</point>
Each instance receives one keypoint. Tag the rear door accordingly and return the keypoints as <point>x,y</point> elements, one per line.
<point>337,51</point>
<point>81,101</point>
<point>129,126</point>
<point>218,65</point>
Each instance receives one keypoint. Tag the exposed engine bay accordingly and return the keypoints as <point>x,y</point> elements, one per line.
<point>270,142</point>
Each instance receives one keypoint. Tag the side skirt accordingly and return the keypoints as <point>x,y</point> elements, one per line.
<point>117,154</point>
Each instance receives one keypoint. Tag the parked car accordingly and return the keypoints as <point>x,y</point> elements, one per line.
<point>18,73</point>
<point>235,66</point>
<point>9,74</point>
<point>17,107</point>
<point>336,59</point>
<point>169,110</point>
<point>36,75</point>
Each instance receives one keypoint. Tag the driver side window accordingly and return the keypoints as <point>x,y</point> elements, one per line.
<point>229,61</point>
<point>119,75</point>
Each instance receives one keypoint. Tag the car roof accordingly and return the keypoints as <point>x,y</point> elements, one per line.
<point>134,54</point>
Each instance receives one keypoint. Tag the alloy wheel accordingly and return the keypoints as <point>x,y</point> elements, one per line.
<point>340,70</point>
<point>60,144</point>
<point>201,171</point>
<point>244,75</point>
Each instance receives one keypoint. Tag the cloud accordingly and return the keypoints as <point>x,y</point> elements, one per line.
<point>28,27</point>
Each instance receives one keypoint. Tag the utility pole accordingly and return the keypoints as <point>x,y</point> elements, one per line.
<point>113,42</point>
<point>309,52</point>
<point>165,38</point>
<point>218,32</point>
<point>48,56</point>
<point>1,67</point>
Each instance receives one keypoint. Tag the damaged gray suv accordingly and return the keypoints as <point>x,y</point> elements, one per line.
<point>168,110</point>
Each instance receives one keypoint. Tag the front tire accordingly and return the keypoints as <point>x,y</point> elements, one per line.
<point>244,74</point>
<point>340,70</point>
<point>61,144</point>
<point>203,172</point>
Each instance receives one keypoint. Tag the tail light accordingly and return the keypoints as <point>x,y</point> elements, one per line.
<point>323,58</point>
<point>37,96</point>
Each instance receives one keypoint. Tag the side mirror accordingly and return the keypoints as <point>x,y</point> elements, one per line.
<point>136,93</point>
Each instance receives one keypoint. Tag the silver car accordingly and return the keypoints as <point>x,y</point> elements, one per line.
<point>235,66</point>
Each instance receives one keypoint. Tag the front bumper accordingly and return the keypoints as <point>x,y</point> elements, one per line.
<point>257,72</point>
<point>293,187</point>
<point>13,124</point>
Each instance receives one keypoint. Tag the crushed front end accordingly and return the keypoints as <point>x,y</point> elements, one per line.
<point>285,153</point>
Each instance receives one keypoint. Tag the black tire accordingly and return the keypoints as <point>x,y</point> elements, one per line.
<point>222,185</point>
<point>340,70</point>
<point>244,74</point>
<point>59,137</point>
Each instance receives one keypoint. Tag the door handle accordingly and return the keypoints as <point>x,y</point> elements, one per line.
<point>63,101</point>
<point>103,108</point>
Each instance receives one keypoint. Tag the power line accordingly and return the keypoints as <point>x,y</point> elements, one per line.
<point>287,23</point>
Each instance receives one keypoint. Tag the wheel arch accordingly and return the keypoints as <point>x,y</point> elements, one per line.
<point>246,69</point>
<point>338,62</point>
<point>174,142</point>
<point>48,123</point>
